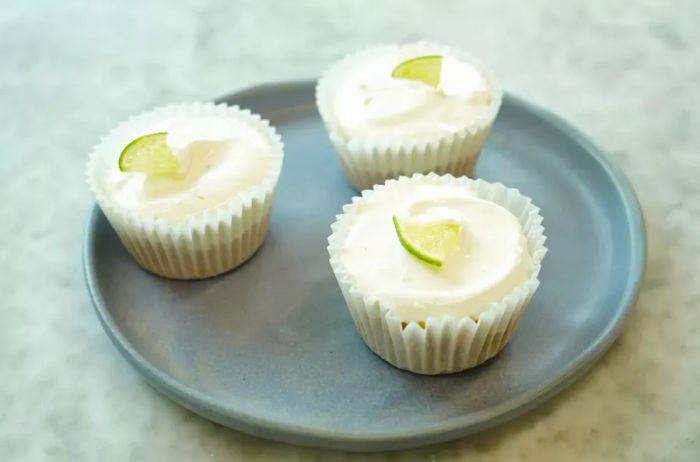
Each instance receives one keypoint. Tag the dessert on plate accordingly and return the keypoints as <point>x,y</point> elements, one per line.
<point>437,270</point>
<point>188,187</point>
<point>394,110</point>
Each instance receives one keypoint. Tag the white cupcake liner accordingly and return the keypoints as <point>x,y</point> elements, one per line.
<point>368,161</point>
<point>205,244</point>
<point>440,344</point>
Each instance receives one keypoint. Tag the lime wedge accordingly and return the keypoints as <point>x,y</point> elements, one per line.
<point>429,242</point>
<point>425,69</point>
<point>150,154</point>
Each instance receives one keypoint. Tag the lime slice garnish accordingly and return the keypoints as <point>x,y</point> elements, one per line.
<point>150,154</point>
<point>429,242</point>
<point>425,69</point>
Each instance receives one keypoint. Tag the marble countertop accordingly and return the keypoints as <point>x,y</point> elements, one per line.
<point>70,70</point>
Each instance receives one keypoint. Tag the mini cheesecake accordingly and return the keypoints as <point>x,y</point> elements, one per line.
<point>433,308</point>
<point>188,188</point>
<point>401,109</point>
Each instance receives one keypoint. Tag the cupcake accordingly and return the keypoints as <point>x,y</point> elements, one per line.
<point>189,187</point>
<point>395,110</point>
<point>437,270</point>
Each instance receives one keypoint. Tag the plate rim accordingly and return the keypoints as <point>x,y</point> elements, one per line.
<point>462,425</point>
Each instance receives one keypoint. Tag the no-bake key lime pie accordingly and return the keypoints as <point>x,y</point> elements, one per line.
<point>396,110</point>
<point>436,270</point>
<point>188,188</point>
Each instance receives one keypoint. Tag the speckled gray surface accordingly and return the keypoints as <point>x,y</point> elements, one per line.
<point>69,70</point>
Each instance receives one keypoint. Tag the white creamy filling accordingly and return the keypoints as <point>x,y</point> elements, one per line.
<point>491,260</point>
<point>369,103</point>
<point>219,158</point>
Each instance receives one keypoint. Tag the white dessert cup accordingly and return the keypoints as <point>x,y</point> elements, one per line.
<point>439,344</point>
<point>367,161</point>
<point>204,244</point>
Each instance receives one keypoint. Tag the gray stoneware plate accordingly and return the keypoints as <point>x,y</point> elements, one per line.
<point>270,349</point>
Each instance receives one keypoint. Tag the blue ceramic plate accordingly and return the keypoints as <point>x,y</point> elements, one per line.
<point>270,349</point>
